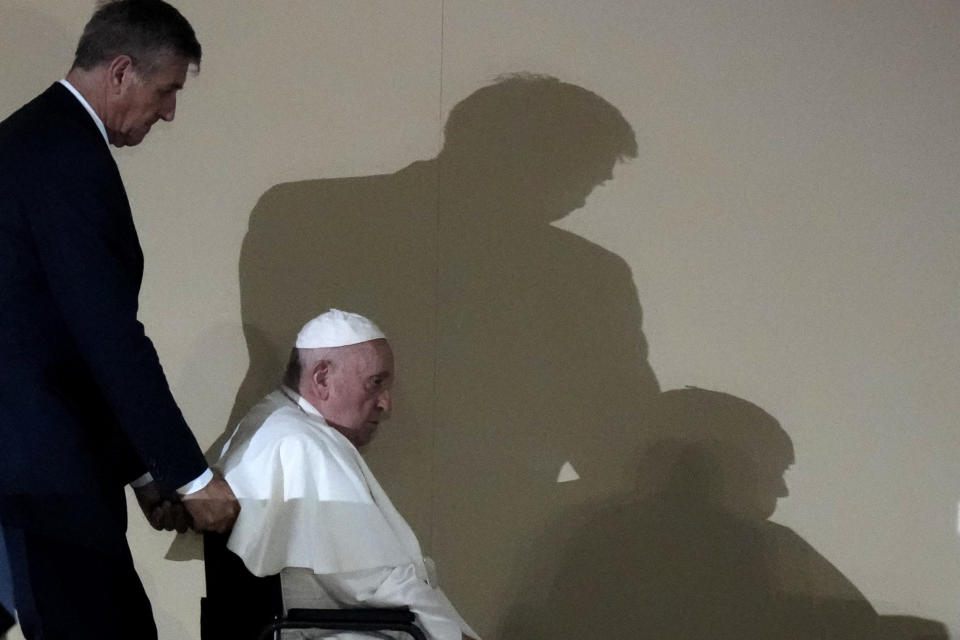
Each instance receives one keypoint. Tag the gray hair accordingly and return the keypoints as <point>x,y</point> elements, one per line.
<point>301,360</point>
<point>145,30</point>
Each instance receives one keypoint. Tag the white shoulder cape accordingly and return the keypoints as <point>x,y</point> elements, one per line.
<point>307,497</point>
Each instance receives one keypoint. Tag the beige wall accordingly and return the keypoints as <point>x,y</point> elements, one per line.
<point>790,223</point>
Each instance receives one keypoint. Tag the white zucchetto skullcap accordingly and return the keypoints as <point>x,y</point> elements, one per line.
<point>337,328</point>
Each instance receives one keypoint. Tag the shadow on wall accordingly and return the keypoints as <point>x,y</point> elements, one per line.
<point>519,345</point>
<point>521,364</point>
<point>692,553</point>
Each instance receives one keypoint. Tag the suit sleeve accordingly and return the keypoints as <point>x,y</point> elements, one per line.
<point>88,248</point>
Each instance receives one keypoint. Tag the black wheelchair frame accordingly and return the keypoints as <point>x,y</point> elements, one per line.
<point>242,606</point>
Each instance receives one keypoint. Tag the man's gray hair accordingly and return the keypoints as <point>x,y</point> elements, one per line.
<point>145,30</point>
<point>305,360</point>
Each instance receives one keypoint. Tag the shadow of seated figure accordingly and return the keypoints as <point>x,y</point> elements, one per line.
<point>693,554</point>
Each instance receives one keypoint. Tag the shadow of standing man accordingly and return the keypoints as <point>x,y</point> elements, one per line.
<point>522,344</point>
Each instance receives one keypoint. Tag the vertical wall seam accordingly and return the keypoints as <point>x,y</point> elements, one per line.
<point>436,294</point>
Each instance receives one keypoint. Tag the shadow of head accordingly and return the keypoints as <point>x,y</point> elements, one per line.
<point>534,139</point>
<point>717,451</point>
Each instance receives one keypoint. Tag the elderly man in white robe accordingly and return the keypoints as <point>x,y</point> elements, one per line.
<point>312,510</point>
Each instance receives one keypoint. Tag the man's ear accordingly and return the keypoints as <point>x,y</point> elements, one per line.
<point>120,69</point>
<point>320,377</point>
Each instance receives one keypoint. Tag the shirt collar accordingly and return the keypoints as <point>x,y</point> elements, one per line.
<point>86,105</point>
<point>301,402</point>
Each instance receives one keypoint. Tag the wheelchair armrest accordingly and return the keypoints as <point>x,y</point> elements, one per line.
<point>398,619</point>
<point>399,615</point>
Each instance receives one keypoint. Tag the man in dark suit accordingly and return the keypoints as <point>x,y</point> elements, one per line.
<point>84,404</point>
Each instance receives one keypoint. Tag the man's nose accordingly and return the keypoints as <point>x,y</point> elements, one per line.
<point>384,401</point>
<point>167,111</point>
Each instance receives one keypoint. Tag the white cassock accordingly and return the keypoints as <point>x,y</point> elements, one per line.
<point>312,511</point>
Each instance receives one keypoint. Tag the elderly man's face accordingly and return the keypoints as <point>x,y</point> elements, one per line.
<point>359,390</point>
<point>145,99</point>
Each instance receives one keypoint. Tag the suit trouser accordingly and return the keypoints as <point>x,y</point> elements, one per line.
<point>73,574</point>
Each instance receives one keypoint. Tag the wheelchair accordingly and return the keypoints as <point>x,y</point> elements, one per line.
<point>241,606</point>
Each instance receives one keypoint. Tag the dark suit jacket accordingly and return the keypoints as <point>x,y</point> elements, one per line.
<point>84,403</point>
